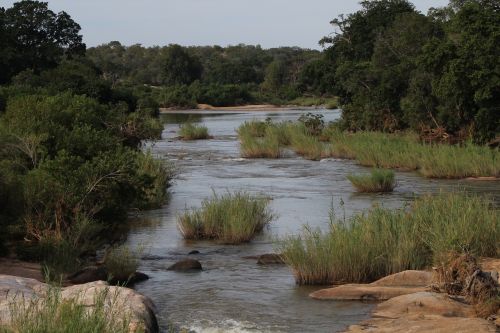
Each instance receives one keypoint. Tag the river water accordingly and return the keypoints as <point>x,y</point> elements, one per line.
<point>233,294</point>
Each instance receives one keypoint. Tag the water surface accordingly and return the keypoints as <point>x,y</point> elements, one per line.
<point>233,294</point>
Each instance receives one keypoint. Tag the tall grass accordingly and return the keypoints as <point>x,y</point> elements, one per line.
<point>54,314</point>
<point>404,151</point>
<point>189,131</point>
<point>379,180</point>
<point>121,262</point>
<point>230,218</point>
<point>381,241</point>
<point>375,149</point>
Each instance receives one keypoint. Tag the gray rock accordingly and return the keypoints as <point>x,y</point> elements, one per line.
<point>138,308</point>
<point>186,265</point>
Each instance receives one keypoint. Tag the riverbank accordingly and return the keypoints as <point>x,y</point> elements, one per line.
<point>242,108</point>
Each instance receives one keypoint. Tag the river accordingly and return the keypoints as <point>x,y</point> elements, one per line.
<point>233,294</point>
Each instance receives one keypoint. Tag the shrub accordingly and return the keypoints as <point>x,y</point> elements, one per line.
<point>379,180</point>
<point>230,218</point>
<point>189,131</point>
<point>380,242</point>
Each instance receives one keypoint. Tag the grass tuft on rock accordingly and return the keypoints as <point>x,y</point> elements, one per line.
<point>379,180</point>
<point>189,131</point>
<point>374,244</point>
<point>230,218</point>
<point>54,314</point>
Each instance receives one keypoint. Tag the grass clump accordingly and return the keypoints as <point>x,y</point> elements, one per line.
<point>54,314</point>
<point>380,242</point>
<point>379,180</point>
<point>121,262</point>
<point>189,131</point>
<point>230,218</point>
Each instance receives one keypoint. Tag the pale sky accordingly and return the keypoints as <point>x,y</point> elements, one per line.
<point>270,23</point>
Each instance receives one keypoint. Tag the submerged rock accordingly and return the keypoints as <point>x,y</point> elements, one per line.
<point>406,282</point>
<point>137,308</point>
<point>186,265</point>
<point>100,273</point>
<point>194,252</point>
<point>270,259</point>
<point>267,259</point>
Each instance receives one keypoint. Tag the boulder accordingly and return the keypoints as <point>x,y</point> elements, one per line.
<point>403,283</point>
<point>424,312</point>
<point>186,265</point>
<point>121,301</point>
<point>194,252</point>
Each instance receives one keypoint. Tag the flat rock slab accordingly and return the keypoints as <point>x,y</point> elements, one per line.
<point>119,300</point>
<point>424,312</point>
<point>21,268</point>
<point>403,283</point>
<point>357,292</point>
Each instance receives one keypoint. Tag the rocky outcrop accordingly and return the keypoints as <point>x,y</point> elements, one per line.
<point>424,312</point>
<point>126,302</point>
<point>21,268</point>
<point>186,265</point>
<point>394,285</point>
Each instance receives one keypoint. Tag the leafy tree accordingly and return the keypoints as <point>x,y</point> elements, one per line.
<point>180,66</point>
<point>34,37</point>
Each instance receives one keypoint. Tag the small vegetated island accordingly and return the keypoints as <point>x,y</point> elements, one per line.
<point>418,92</point>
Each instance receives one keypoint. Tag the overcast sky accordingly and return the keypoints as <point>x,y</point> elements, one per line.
<point>269,23</point>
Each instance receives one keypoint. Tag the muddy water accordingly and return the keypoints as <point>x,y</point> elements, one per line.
<point>233,294</point>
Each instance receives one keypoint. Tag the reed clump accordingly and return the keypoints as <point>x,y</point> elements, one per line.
<point>382,241</point>
<point>230,218</point>
<point>379,180</point>
<point>189,131</point>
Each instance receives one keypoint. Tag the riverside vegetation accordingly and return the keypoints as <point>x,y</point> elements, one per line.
<point>230,218</point>
<point>314,140</point>
<point>380,242</point>
<point>71,159</point>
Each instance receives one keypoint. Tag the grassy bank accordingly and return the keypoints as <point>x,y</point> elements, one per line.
<point>327,102</point>
<point>230,218</point>
<point>189,131</point>
<point>380,242</point>
<point>312,140</point>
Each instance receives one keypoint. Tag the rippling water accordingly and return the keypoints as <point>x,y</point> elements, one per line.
<point>233,294</point>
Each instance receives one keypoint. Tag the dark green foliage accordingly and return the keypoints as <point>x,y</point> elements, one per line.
<point>396,68</point>
<point>180,66</point>
<point>34,37</point>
